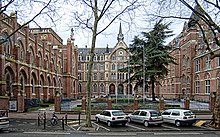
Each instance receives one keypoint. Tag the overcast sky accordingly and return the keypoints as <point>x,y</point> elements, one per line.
<point>82,38</point>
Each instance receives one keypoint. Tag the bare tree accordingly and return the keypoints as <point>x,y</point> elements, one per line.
<point>24,10</point>
<point>97,16</point>
<point>196,12</point>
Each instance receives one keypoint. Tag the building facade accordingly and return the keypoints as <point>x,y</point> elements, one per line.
<point>34,63</point>
<point>195,75</point>
<point>106,79</point>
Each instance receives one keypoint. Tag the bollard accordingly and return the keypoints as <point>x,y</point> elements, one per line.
<point>79,117</point>
<point>66,119</point>
<point>44,123</point>
<point>38,120</point>
<point>63,123</point>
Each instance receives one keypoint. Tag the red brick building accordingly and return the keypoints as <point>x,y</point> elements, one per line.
<point>35,64</point>
<point>196,75</point>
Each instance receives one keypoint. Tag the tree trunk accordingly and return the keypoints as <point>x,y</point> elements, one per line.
<point>153,94</point>
<point>88,84</point>
<point>215,122</point>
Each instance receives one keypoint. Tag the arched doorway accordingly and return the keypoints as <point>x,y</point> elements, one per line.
<point>129,89</point>
<point>112,89</point>
<point>120,89</point>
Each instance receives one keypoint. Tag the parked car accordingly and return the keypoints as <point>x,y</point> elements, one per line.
<point>4,120</point>
<point>112,117</point>
<point>179,117</point>
<point>147,117</point>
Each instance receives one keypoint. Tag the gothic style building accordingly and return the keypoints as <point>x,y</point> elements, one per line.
<point>34,63</point>
<point>106,79</point>
<point>196,75</point>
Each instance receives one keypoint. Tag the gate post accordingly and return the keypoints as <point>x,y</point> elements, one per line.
<point>135,103</point>
<point>109,103</point>
<point>57,103</point>
<point>187,103</point>
<point>161,106</point>
<point>83,103</point>
<point>20,103</point>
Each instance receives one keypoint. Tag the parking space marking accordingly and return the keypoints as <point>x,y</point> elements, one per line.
<point>52,133</point>
<point>170,133</point>
<point>101,126</point>
<point>170,127</point>
<point>112,134</point>
<point>135,127</point>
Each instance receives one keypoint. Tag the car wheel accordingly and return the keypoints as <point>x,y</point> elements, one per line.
<point>146,124</point>
<point>97,120</point>
<point>177,123</point>
<point>129,120</point>
<point>109,123</point>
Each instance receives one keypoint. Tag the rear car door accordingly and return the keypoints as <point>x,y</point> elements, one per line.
<point>142,117</point>
<point>135,115</point>
<point>175,115</point>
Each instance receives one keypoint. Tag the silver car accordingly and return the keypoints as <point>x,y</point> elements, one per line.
<point>147,117</point>
<point>4,121</point>
<point>112,117</point>
<point>179,117</point>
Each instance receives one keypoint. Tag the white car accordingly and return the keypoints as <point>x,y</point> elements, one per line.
<point>146,117</point>
<point>4,121</point>
<point>179,117</point>
<point>112,117</point>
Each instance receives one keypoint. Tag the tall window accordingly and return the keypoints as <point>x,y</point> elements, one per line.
<point>197,65</point>
<point>79,76</point>
<point>40,60</point>
<point>164,88</point>
<point>21,51</point>
<point>113,66</point>
<point>102,88</point>
<point>95,76</point>
<point>172,88</point>
<point>32,56</point>
<point>33,86</point>
<point>47,62</point>
<point>8,83</point>
<point>113,57</point>
<point>102,76</point>
<point>197,85</point>
<point>184,61</point>
<point>207,86</point>
<point>7,44</point>
<point>95,66</point>
<point>208,63</point>
<point>101,66</point>
<point>79,66</point>
<point>95,88</point>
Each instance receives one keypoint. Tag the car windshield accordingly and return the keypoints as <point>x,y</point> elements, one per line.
<point>118,113</point>
<point>188,113</point>
<point>155,114</point>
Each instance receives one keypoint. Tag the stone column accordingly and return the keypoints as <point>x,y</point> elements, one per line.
<point>109,103</point>
<point>187,103</point>
<point>135,103</point>
<point>20,103</point>
<point>161,104</point>
<point>57,101</point>
<point>83,103</point>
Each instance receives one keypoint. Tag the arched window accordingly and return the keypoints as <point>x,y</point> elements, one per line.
<point>21,51</point>
<point>7,44</point>
<point>113,66</point>
<point>32,56</point>
<point>40,60</point>
<point>22,83</point>
<point>8,83</point>
<point>47,62</point>
<point>33,86</point>
<point>102,88</point>
<point>95,88</point>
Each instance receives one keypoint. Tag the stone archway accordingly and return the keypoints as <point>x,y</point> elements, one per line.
<point>112,89</point>
<point>120,89</point>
